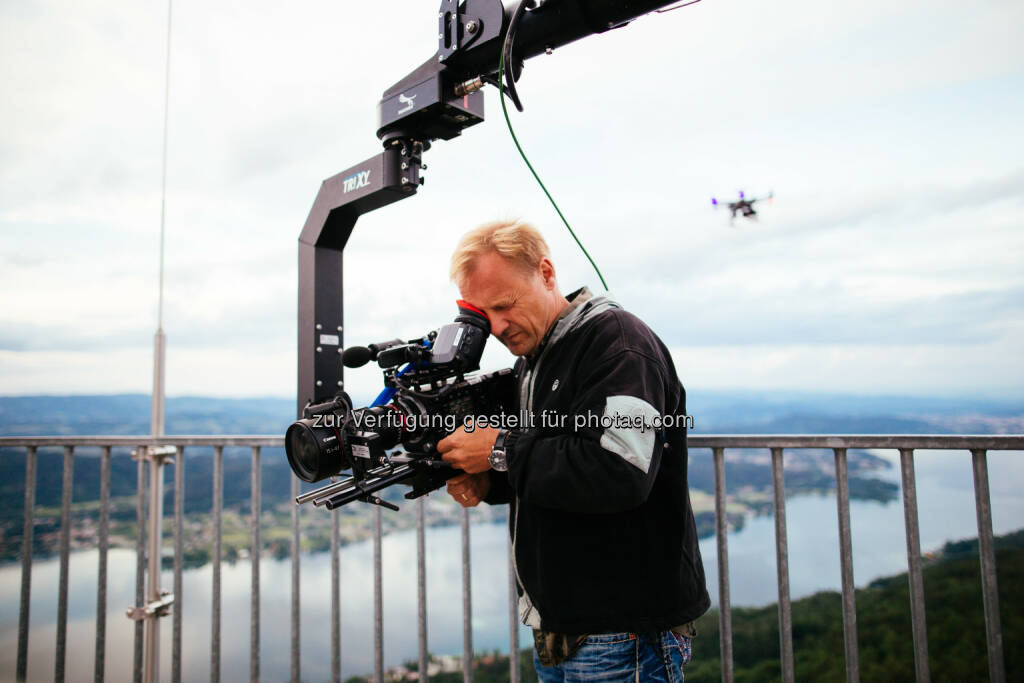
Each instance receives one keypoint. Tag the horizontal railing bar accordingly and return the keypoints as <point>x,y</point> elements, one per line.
<point>264,440</point>
<point>992,442</point>
<point>917,441</point>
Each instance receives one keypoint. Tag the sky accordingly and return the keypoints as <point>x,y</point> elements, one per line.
<point>889,132</point>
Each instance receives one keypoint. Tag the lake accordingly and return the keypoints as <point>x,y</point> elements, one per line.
<point>946,508</point>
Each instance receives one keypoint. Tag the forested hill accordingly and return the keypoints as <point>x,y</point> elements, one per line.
<point>955,618</point>
<point>956,630</point>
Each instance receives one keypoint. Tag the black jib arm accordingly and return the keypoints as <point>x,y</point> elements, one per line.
<point>436,101</point>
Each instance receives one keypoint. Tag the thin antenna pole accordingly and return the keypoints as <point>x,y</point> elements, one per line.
<point>163,182</point>
<point>159,340</point>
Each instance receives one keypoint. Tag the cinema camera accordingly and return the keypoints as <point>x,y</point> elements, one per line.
<point>422,402</point>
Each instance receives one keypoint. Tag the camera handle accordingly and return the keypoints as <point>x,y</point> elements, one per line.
<point>372,500</point>
<point>353,489</point>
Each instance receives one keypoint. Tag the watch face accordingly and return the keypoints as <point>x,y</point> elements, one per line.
<point>497,460</point>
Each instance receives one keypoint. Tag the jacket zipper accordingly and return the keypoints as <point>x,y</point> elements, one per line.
<point>528,385</point>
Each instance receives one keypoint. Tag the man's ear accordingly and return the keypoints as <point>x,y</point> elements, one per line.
<point>547,273</point>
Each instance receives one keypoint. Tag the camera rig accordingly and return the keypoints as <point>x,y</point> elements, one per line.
<point>438,100</point>
<point>422,402</point>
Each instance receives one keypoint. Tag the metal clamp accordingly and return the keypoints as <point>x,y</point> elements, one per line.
<point>157,608</point>
<point>157,454</point>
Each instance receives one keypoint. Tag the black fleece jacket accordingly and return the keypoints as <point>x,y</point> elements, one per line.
<point>603,532</point>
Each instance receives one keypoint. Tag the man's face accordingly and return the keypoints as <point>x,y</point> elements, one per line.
<point>521,305</point>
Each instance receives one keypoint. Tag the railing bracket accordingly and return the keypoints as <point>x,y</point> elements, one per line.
<point>157,608</point>
<point>158,454</point>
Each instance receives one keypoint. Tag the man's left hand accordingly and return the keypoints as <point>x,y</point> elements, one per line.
<point>468,450</point>
<point>469,489</point>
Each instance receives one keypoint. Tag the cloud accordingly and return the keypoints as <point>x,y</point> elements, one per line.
<point>888,132</point>
<point>934,369</point>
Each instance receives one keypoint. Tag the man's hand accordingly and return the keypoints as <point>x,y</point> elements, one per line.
<point>468,451</point>
<point>469,489</point>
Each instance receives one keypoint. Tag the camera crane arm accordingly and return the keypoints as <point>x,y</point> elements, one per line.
<point>435,101</point>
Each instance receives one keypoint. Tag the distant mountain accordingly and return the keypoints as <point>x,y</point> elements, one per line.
<point>126,414</point>
<point>733,412</point>
<point>721,412</point>
<point>777,412</point>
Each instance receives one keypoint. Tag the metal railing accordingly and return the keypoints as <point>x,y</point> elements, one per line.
<point>152,602</point>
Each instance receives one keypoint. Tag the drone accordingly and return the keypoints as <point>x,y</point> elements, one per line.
<point>743,205</point>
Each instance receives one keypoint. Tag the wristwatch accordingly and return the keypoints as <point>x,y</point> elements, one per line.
<point>498,457</point>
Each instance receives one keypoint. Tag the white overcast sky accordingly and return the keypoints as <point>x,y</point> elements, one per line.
<point>890,132</point>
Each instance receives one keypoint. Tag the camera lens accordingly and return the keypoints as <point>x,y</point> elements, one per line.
<point>314,452</point>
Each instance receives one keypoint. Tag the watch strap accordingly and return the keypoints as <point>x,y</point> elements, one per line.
<point>498,457</point>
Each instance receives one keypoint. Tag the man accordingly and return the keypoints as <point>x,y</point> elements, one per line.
<point>604,542</point>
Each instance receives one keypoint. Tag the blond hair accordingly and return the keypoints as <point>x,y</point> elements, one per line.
<point>516,241</point>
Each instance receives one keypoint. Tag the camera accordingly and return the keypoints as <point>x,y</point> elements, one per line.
<point>427,396</point>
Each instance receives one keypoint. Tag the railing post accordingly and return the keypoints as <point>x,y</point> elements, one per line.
<point>421,587</point>
<point>179,521</point>
<point>218,502</point>
<point>153,559</point>
<point>722,541</point>
<point>65,545</point>
<point>335,599</point>
<point>99,662</point>
<point>846,567</point>
<point>378,600</point>
<point>914,572</point>
<point>140,566</point>
<point>986,551</point>
<point>158,602</point>
<point>296,548</point>
<point>26,563</point>
<point>467,603</point>
<point>513,617</point>
<point>254,555</point>
<point>782,563</point>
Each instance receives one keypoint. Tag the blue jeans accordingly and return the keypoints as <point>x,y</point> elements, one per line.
<point>622,658</point>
